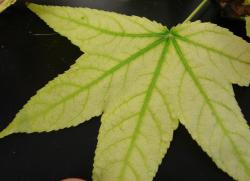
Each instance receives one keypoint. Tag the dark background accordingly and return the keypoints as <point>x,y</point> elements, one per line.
<point>31,54</point>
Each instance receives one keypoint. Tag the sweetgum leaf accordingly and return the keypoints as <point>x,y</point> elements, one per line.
<point>5,3</point>
<point>144,78</point>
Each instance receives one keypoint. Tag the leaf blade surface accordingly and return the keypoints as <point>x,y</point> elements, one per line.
<point>144,78</point>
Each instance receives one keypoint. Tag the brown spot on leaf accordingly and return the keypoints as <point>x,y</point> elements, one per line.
<point>1,1</point>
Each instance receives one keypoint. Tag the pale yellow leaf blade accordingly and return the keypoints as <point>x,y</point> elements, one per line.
<point>96,31</point>
<point>202,94</point>
<point>143,78</point>
<point>68,100</point>
<point>228,53</point>
<point>137,128</point>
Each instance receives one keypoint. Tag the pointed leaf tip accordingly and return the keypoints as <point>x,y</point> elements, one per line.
<point>7,131</point>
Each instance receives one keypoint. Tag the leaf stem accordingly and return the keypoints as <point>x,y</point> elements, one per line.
<point>197,9</point>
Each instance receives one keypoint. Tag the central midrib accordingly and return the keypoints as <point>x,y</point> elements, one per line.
<point>143,109</point>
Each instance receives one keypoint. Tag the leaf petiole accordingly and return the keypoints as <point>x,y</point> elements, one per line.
<point>197,9</point>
